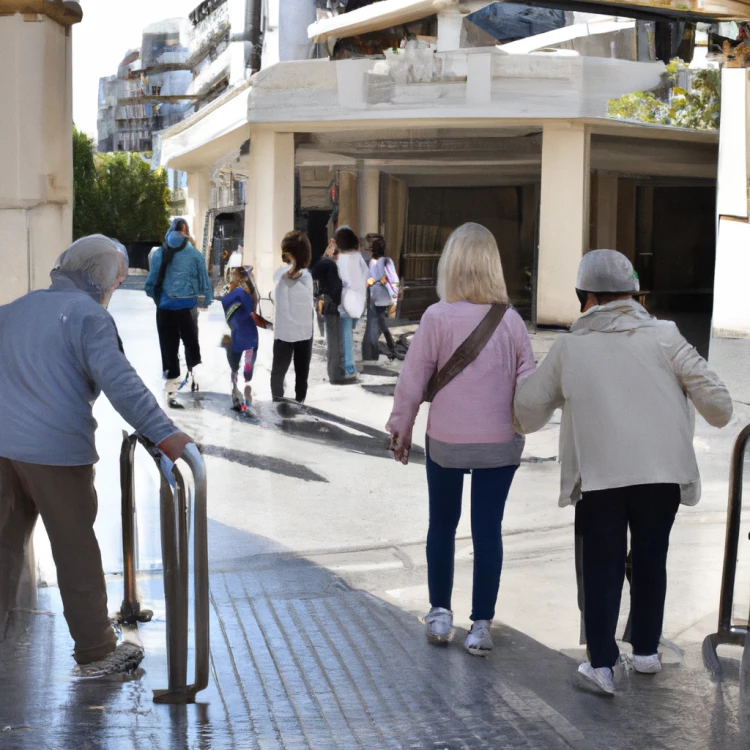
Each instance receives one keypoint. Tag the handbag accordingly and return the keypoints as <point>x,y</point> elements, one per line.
<point>466,353</point>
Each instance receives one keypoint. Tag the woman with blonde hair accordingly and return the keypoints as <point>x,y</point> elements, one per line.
<point>469,352</point>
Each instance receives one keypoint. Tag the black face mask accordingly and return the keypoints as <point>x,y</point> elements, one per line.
<point>583,297</point>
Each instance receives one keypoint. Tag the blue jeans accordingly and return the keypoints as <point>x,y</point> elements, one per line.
<point>489,491</point>
<point>347,344</point>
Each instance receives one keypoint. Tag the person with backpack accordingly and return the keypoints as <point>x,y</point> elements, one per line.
<point>468,354</point>
<point>626,384</point>
<point>178,282</point>
<point>383,295</point>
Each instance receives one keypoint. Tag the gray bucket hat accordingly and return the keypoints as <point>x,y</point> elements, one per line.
<point>606,272</point>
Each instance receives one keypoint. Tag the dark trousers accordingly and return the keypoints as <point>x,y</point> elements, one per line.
<point>602,522</point>
<point>175,326</point>
<point>333,348</point>
<point>377,325</point>
<point>65,498</point>
<point>489,491</point>
<point>283,353</point>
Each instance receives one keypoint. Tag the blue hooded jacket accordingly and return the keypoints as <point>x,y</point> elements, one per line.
<point>185,279</point>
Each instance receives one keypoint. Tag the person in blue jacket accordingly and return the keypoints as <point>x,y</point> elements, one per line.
<point>178,282</point>
<point>239,308</point>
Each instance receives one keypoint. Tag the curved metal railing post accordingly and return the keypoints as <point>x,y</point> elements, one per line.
<point>130,610</point>
<point>176,557</point>
<point>727,632</point>
<point>175,541</point>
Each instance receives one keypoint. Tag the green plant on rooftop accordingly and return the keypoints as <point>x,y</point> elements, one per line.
<point>697,109</point>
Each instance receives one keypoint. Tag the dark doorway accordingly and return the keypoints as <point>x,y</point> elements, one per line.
<point>229,234</point>
<point>317,231</point>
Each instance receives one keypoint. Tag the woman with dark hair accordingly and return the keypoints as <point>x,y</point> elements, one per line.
<point>383,285</point>
<point>328,290</point>
<point>354,274</point>
<point>178,282</point>
<point>293,327</point>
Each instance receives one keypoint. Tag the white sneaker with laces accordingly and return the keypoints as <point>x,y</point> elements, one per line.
<point>647,664</point>
<point>602,678</point>
<point>439,625</point>
<point>479,640</point>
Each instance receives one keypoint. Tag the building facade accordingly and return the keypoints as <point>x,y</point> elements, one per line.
<point>410,121</point>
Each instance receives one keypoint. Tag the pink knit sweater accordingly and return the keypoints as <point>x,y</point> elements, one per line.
<point>476,406</point>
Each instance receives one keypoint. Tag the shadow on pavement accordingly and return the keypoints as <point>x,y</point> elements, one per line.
<point>301,660</point>
<point>299,420</point>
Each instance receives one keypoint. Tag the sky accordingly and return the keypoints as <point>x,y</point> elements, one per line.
<point>109,29</point>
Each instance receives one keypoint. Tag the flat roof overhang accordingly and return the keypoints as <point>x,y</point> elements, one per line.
<point>202,139</point>
<point>64,12</point>
<point>386,13</point>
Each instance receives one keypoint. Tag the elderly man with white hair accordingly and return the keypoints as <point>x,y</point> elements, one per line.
<point>624,382</point>
<point>59,349</point>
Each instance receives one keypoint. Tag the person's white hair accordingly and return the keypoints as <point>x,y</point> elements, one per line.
<point>470,268</point>
<point>100,260</point>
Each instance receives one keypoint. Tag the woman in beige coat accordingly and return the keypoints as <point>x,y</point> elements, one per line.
<point>624,381</point>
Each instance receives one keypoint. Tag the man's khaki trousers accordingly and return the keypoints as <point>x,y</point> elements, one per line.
<point>66,499</point>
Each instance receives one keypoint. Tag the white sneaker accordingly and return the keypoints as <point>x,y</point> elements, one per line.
<point>439,625</point>
<point>479,640</point>
<point>602,678</point>
<point>171,388</point>
<point>646,664</point>
<point>125,658</point>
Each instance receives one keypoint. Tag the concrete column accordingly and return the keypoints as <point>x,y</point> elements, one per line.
<point>449,30</point>
<point>349,212</point>
<point>36,179</point>
<point>36,153</point>
<point>564,220</point>
<point>369,200</point>
<point>606,212</point>
<point>294,18</point>
<point>730,330</point>
<point>269,214</point>
<point>198,204</point>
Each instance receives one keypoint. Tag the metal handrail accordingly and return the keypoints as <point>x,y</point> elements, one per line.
<point>727,632</point>
<point>175,534</point>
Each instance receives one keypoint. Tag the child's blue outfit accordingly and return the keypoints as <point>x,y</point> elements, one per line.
<point>238,309</point>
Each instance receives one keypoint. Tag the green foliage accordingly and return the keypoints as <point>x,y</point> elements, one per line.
<point>698,109</point>
<point>117,195</point>
<point>85,199</point>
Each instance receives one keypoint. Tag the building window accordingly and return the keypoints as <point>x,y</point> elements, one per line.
<point>156,91</point>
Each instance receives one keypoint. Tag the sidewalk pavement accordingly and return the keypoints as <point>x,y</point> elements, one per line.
<point>301,660</point>
<point>318,579</point>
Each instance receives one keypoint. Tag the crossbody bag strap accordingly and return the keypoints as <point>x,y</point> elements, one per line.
<point>466,353</point>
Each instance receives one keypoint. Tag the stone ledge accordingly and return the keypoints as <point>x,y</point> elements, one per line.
<point>64,12</point>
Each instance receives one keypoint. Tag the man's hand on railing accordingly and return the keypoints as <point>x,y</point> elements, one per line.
<point>174,446</point>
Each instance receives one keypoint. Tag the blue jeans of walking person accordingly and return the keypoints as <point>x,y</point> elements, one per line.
<point>347,345</point>
<point>489,491</point>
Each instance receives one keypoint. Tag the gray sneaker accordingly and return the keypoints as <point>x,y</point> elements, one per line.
<point>439,626</point>
<point>479,640</point>
<point>125,658</point>
<point>601,678</point>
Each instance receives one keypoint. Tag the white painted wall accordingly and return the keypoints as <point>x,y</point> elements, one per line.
<point>35,151</point>
<point>269,213</point>
<point>731,317</point>
<point>564,220</point>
